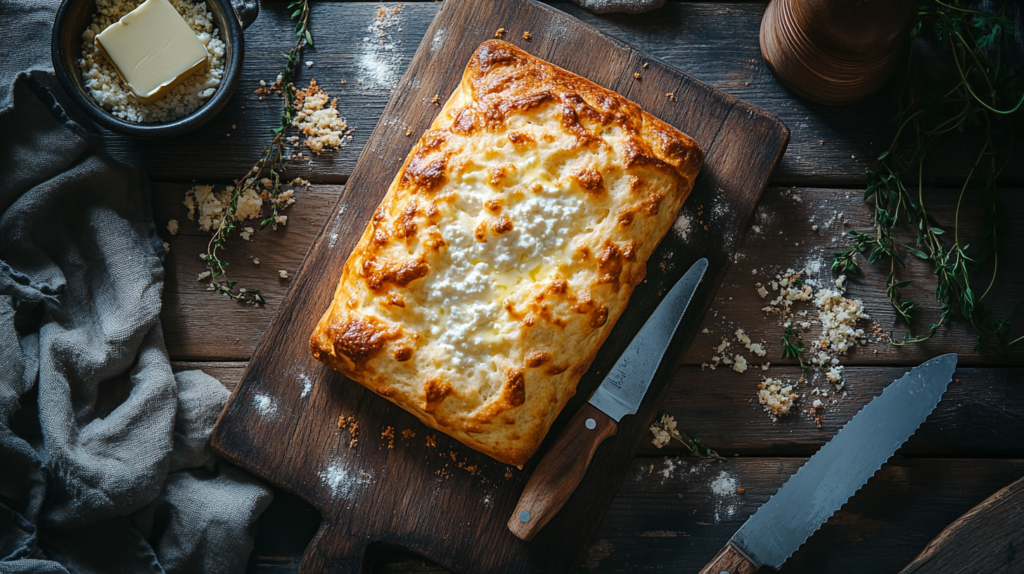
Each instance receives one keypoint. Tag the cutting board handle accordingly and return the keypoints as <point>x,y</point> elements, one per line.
<point>333,551</point>
<point>560,471</point>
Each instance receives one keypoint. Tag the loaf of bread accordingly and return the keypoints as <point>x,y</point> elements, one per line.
<point>504,251</point>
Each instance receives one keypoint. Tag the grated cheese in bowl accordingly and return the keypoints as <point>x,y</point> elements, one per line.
<point>104,85</point>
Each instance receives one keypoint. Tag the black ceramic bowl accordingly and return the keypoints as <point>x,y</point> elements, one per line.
<point>73,16</point>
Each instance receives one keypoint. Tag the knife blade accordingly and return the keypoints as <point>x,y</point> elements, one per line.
<point>620,394</point>
<point>837,471</point>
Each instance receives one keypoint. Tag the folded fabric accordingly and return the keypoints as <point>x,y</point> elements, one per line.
<point>105,463</point>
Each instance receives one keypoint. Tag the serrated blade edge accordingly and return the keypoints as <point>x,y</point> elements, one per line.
<point>841,467</point>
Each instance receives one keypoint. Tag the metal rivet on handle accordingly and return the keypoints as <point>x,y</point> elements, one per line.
<point>524,516</point>
<point>592,424</point>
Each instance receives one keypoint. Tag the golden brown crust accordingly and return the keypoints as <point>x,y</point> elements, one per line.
<point>505,250</point>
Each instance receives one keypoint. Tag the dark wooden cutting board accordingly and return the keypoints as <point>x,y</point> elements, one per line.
<point>446,501</point>
<point>989,538</point>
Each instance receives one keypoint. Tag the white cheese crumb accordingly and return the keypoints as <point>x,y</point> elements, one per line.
<point>839,317</point>
<point>664,430</point>
<point>762,291</point>
<point>776,397</point>
<point>212,206</point>
<point>203,275</point>
<point>256,261</point>
<point>816,404</point>
<point>172,227</point>
<point>283,273</point>
<point>740,365</point>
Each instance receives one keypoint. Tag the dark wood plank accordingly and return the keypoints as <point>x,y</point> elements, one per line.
<point>715,42</point>
<point>667,518</point>
<point>782,236</point>
<point>260,429</point>
<point>200,325</point>
<point>981,414</point>
<point>228,373</point>
<point>779,237</point>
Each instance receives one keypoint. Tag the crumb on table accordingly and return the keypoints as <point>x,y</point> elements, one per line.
<point>389,434</point>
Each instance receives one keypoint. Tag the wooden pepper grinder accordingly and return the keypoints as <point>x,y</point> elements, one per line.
<point>835,51</point>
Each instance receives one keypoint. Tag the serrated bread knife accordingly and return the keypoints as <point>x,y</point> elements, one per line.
<point>836,472</point>
<point>565,463</point>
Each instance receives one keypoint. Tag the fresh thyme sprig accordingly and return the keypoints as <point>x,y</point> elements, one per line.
<point>266,172</point>
<point>792,346</point>
<point>985,90</point>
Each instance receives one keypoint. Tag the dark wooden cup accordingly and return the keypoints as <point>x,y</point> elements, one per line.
<point>835,51</point>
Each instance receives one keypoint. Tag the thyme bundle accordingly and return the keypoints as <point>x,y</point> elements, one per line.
<point>793,345</point>
<point>985,90</point>
<point>267,171</point>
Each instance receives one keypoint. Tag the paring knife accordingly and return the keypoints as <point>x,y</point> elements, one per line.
<point>565,463</point>
<point>836,472</point>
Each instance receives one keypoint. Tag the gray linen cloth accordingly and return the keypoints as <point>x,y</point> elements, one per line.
<point>105,464</point>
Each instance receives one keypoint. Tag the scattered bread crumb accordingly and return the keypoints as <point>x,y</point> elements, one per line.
<point>527,35</point>
<point>172,227</point>
<point>317,117</point>
<point>352,426</point>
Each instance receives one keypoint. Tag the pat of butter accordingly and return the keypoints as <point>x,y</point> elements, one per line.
<point>153,49</point>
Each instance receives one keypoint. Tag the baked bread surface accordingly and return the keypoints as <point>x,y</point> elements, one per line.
<point>504,251</point>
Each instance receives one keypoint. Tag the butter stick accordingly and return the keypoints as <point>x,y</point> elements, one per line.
<point>153,49</point>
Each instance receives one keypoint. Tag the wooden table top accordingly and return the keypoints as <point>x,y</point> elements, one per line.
<point>666,517</point>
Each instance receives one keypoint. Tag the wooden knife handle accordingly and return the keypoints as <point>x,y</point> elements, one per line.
<point>561,469</point>
<point>730,560</point>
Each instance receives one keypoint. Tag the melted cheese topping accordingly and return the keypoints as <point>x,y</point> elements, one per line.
<point>466,296</point>
<point>505,250</point>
